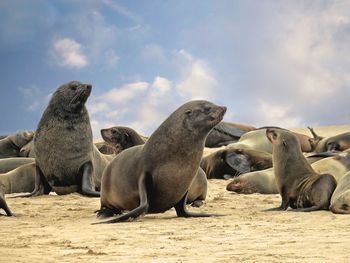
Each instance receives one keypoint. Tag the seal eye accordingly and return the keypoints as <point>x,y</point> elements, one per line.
<point>188,112</point>
<point>207,109</point>
<point>114,131</point>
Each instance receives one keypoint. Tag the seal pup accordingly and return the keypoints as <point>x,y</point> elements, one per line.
<point>121,138</point>
<point>225,133</point>
<point>63,143</point>
<point>234,160</point>
<point>3,204</point>
<point>299,185</point>
<point>156,176</point>
<point>340,201</point>
<point>12,144</point>
<point>198,189</point>
<point>338,142</point>
<point>262,182</point>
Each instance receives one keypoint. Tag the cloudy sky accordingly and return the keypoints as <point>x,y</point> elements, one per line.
<point>282,63</point>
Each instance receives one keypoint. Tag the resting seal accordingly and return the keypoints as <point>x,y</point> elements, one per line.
<point>3,204</point>
<point>340,201</point>
<point>63,143</point>
<point>234,160</point>
<point>299,185</point>
<point>12,144</point>
<point>156,176</point>
<point>262,182</point>
<point>9,164</point>
<point>121,138</point>
<point>19,180</point>
<point>338,142</point>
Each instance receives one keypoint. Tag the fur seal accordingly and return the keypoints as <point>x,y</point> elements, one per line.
<point>338,142</point>
<point>121,138</point>
<point>198,189</point>
<point>234,160</point>
<point>156,176</point>
<point>299,185</point>
<point>19,180</point>
<point>340,201</point>
<point>3,204</point>
<point>262,182</point>
<point>104,148</point>
<point>9,164</point>
<point>225,133</point>
<point>63,143</point>
<point>12,144</point>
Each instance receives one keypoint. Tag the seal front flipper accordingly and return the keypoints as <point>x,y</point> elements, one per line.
<point>181,210</point>
<point>284,205</point>
<point>41,185</point>
<point>145,188</point>
<point>86,184</point>
<point>3,203</point>
<point>238,162</point>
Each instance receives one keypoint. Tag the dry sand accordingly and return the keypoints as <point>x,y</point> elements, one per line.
<point>58,228</point>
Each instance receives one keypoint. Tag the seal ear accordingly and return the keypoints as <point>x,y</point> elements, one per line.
<point>238,162</point>
<point>284,142</point>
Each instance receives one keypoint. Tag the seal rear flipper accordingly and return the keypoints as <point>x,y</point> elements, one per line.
<point>41,185</point>
<point>106,212</point>
<point>310,209</point>
<point>86,184</point>
<point>238,162</point>
<point>145,184</point>
<point>4,206</point>
<point>181,210</point>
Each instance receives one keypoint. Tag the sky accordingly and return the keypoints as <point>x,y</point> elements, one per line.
<point>281,63</point>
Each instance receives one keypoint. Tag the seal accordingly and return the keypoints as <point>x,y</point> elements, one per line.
<point>27,150</point>
<point>104,148</point>
<point>262,182</point>
<point>338,142</point>
<point>225,133</point>
<point>63,143</point>
<point>234,160</point>
<point>19,180</point>
<point>156,176</point>
<point>257,140</point>
<point>12,144</point>
<point>121,138</point>
<point>3,204</point>
<point>299,185</point>
<point>198,189</point>
<point>9,164</point>
<point>340,201</point>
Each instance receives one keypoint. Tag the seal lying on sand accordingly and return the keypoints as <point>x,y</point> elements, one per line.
<point>63,143</point>
<point>234,160</point>
<point>156,176</point>
<point>299,185</point>
<point>340,201</point>
<point>262,182</point>
<point>12,144</point>
<point>19,180</point>
<point>121,138</point>
<point>338,142</point>
<point>9,164</point>
<point>225,133</point>
<point>3,204</point>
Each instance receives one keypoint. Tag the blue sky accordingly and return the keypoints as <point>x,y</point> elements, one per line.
<point>280,63</point>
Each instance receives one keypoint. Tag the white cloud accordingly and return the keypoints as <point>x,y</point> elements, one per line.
<point>125,93</point>
<point>68,53</point>
<point>34,98</point>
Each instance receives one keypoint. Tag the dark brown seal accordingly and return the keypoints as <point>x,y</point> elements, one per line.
<point>338,142</point>
<point>299,185</point>
<point>63,143</point>
<point>12,144</point>
<point>156,176</point>
<point>225,133</point>
<point>340,201</point>
<point>233,161</point>
<point>121,138</point>
<point>3,204</point>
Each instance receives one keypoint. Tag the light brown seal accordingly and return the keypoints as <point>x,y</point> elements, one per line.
<point>340,201</point>
<point>338,142</point>
<point>156,176</point>
<point>19,180</point>
<point>234,160</point>
<point>262,182</point>
<point>63,143</point>
<point>12,144</point>
<point>299,185</point>
<point>9,164</point>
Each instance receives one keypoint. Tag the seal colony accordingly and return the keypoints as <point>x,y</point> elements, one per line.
<point>140,175</point>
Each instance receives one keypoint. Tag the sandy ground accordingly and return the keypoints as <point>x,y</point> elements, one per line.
<point>58,228</point>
